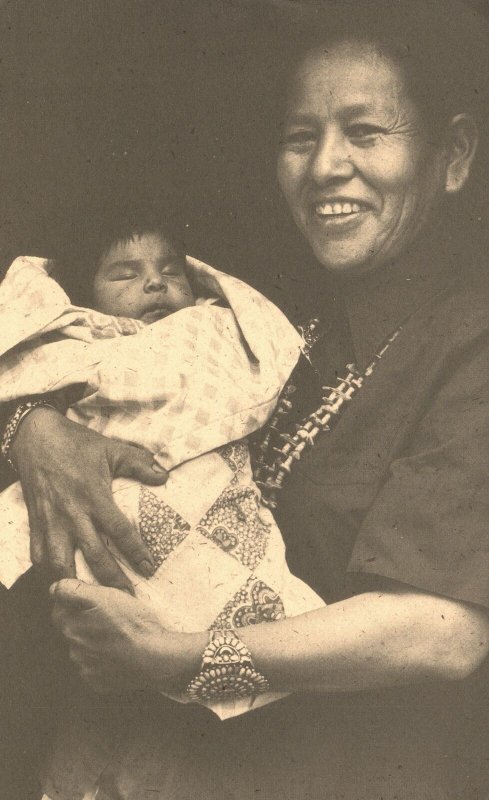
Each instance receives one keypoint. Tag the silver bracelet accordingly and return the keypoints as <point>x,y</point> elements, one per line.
<point>227,670</point>
<point>11,428</point>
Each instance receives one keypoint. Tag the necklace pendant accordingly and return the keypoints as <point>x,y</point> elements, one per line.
<point>311,334</point>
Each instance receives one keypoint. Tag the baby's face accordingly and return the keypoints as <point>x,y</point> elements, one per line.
<point>143,278</point>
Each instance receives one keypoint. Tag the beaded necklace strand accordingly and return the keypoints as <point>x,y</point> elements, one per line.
<point>274,463</point>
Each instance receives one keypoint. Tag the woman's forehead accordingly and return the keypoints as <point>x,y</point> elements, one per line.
<point>351,75</point>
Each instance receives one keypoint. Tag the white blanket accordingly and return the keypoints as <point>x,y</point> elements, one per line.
<point>196,380</point>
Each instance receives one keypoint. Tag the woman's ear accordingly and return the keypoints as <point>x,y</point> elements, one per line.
<point>462,140</point>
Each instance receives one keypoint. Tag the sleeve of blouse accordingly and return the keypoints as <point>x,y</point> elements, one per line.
<point>429,524</point>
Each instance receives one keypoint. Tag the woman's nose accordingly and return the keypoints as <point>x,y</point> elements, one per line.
<point>155,282</point>
<point>331,160</point>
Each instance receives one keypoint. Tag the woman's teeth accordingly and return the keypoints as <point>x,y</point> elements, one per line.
<point>335,209</point>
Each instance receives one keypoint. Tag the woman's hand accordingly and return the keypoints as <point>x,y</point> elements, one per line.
<point>66,473</point>
<point>118,643</point>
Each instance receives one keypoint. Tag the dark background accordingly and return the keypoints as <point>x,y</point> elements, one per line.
<point>101,98</point>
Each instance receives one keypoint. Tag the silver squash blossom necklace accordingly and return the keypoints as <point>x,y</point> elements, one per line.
<point>279,451</point>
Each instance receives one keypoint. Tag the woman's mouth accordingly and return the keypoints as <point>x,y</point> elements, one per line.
<point>337,209</point>
<point>339,212</point>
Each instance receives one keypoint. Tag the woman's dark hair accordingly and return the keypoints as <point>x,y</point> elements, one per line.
<point>441,46</point>
<point>97,227</point>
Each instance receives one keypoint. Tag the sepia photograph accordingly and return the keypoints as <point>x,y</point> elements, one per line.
<point>244,400</point>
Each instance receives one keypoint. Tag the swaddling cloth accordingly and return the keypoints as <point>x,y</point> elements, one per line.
<point>182,386</point>
<point>219,555</point>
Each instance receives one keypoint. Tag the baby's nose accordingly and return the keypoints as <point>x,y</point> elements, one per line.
<point>155,282</point>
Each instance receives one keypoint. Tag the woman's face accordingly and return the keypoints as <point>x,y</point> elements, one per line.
<point>356,165</point>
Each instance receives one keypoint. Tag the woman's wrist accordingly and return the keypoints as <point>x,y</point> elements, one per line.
<point>205,666</point>
<point>177,659</point>
<point>29,427</point>
<point>17,412</point>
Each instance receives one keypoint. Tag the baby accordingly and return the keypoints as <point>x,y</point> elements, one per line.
<point>187,362</point>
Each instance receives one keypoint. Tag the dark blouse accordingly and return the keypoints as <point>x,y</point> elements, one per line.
<point>400,487</point>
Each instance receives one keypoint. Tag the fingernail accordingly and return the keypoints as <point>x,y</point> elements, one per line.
<point>157,468</point>
<point>147,569</point>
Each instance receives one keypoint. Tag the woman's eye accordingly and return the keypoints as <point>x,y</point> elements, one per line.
<point>365,132</point>
<point>299,138</point>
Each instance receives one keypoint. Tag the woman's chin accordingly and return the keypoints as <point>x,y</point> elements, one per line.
<point>345,264</point>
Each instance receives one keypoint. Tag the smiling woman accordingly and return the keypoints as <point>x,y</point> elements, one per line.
<point>356,165</point>
<point>386,516</point>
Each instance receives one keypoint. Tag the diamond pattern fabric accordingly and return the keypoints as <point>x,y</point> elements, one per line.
<point>161,528</point>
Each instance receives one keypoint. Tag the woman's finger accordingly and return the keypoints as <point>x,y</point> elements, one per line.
<point>118,528</point>
<point>51,533</point>
<point>71,593</point>
<point>129,461</point>
<point>36,527</point>
<point>58,546</point>
<point>37,549</point>
<point>102,563</point>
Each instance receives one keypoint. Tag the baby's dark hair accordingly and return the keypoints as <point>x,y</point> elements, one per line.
<point>96,229</point>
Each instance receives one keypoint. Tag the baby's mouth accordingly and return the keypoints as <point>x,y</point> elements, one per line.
<point>155,313</point>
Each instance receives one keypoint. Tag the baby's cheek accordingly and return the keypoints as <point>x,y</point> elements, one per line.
<point>123,294</point>
<point>184,296</point>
